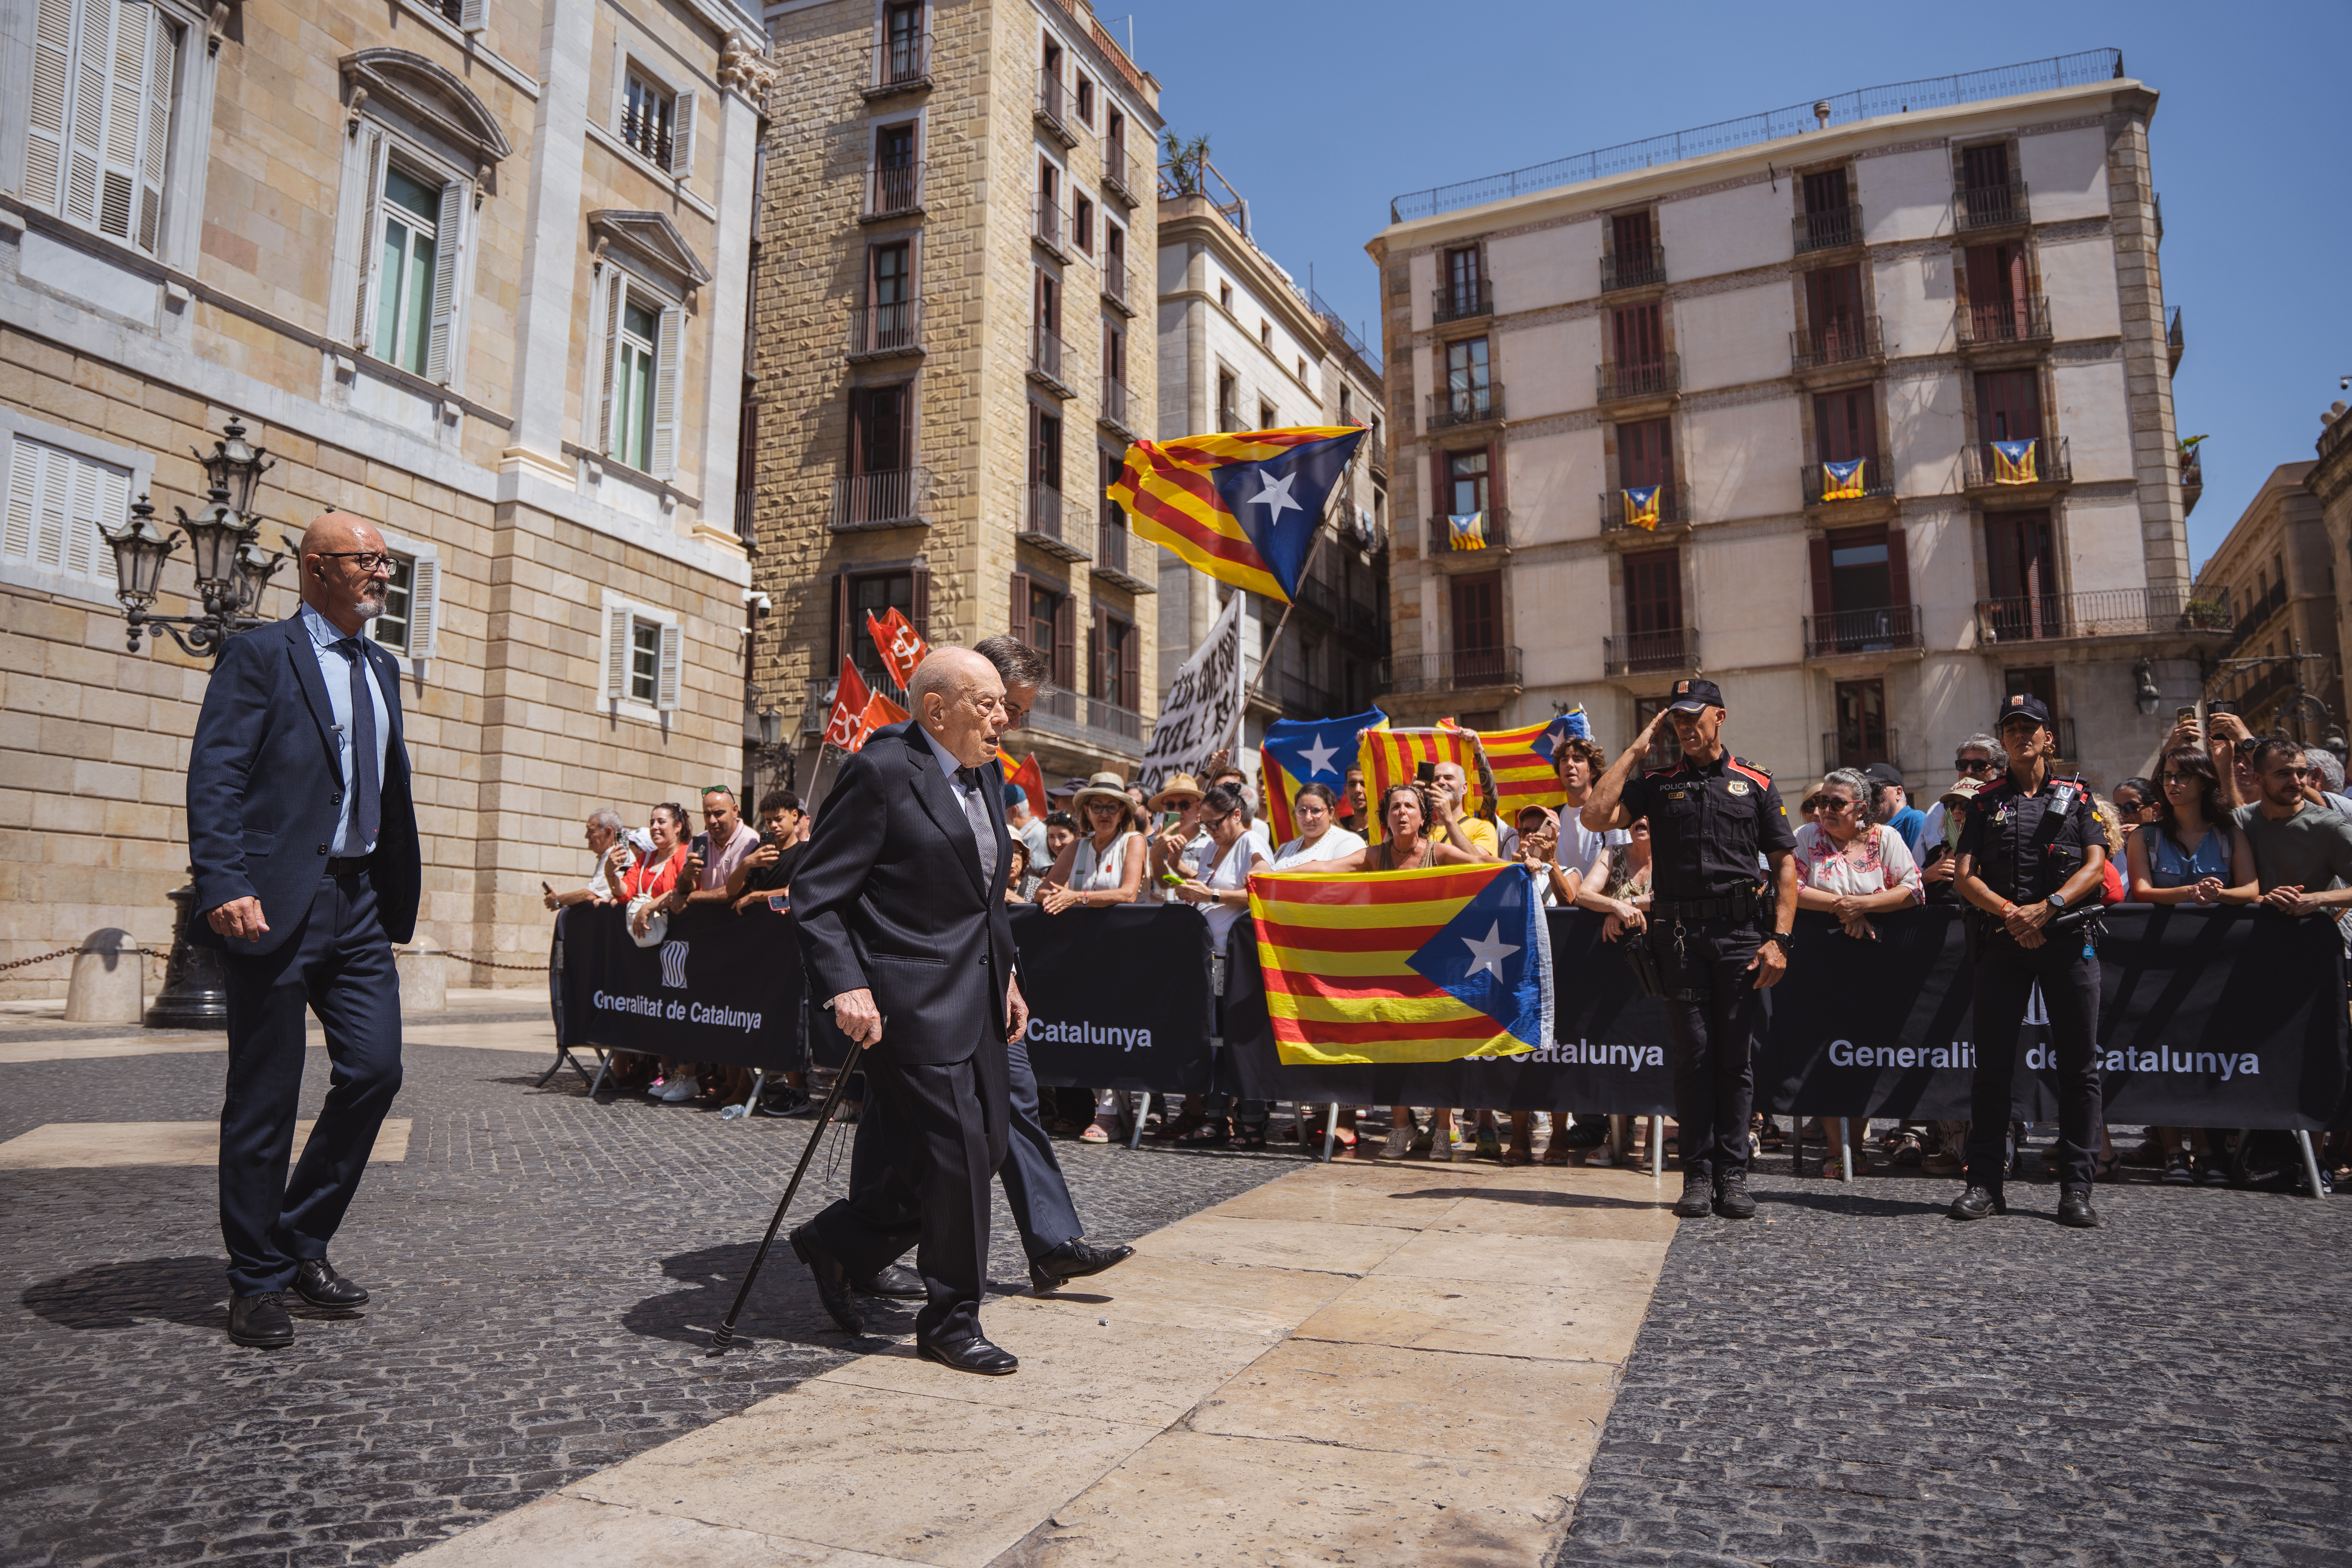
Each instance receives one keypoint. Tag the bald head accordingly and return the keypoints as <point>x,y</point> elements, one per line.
<point>336,581</point>
<point>959,699</point>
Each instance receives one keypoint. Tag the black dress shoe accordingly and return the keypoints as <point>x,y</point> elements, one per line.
<point>260,1320</point>
<point>1977,1202</point>
<point>975,1354</point>
<point>2075,1208</point>
<point>1731,1197</point>
<point>1698,1197</point>
<point>1074,1259</point>
<point>832,1278</point>
<point>318,1283</point>
<point>896,1281</point>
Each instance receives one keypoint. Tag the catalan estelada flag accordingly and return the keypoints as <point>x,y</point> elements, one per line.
<point>1403,966</point>
<point>1467,531</point>
<point>1842,481</point>
<point>1393,757</point>
<point>1298,752</point>
<point>2012,462</point>
<point>1641,506</point>
<point>1521,763</point>
<point>1243,508</point>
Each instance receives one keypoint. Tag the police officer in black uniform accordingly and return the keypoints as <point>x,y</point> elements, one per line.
<point>1718,927</point>
<point>2029,862</point>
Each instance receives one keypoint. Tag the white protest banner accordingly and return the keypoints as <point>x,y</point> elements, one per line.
<point>1202,710</point>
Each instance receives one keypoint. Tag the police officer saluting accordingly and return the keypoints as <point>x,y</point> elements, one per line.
<point>1719,929</point>
<point>2030,859</point>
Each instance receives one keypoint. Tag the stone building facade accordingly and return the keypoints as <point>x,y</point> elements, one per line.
<point>2331,481</point>
<point>1655,373</point>
<point>1242,347</point>
<point>952,353</point>
<point>471,270</point>
<point>2276,570</point>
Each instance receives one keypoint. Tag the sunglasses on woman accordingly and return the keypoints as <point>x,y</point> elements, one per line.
<point>1973,765</point>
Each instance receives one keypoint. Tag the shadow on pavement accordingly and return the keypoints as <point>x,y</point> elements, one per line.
<point>187,1290</point>
<point>782,1308</point>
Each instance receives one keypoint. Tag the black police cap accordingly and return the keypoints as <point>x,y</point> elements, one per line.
<point>1692,695</point>
<point>2021,705</point>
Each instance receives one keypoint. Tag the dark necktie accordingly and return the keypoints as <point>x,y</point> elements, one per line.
<point>983,832</point>
<point>367,806</point>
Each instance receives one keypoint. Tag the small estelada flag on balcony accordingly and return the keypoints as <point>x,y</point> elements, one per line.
<point>901,646</point>
<point>1842,481</point>
<point>2014,464</point>
<point>1242,507</point>
<point>1641,506</point>
<point>1466,530</point>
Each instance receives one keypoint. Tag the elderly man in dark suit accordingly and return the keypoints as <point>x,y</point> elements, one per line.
<point>900,908</point>
<point>304,838</point>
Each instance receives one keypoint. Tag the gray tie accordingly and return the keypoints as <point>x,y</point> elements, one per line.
<point>983,832</point>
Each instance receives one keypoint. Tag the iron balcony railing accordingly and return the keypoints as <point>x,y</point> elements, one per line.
<point>1989,207</point>
<point>1093,721</point>
<point>1046,361</point>
<point>2173,341</point>
<point>898,64</point>
<point>1495,526</point>
<point>648,131</point>
<point>1460,301</point>
<point>1114,403</point>
<point>1053,524</point>
<point>1462,668</point>
<point>1635,271</point>
<point>1983,468</point>
<point>1871,482</point>
<point>893,188</point>
<point>1998,322</point>
<point>1319,596</point>
<point>896,328</point>
<point>1122,174</point>
<point>1301,698</point>
<point>890,499</point>
<point>1828,229</point>
<point>1642,653</point>
<point>1660,377</point>
<point>1110,551</point>
<point>1114,279</point>
<point>1840,750</point>
<point>1045,225</point>
<point>1362,617</point>
<point>1472,404</point>
<point>1843,340</point>
<point>2100,613</point>
<point>1616,514</point>
<point>1053,110</point>
<point>2192,480</point>
<point>1886,628</point>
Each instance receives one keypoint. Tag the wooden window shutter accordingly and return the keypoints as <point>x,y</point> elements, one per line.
<point>616,292</point>
<point>1065,643</point>
<point>1898,570</point>
<point>45,150</point>
<point>371,186</point>
<point>666,685</point>
<point>156,137</point>
<point>1102,677</point>
<point>1021,607</point>
<point>919,609</point>
<point>617,620</point>
<point>666,356</point>
<point>424,606</point>
<point>681,136</point>
<point>448,226</point>
<point>842,630</point>
<point>1823,603</point>
<point>473,16</point>
<point>1130,668</point>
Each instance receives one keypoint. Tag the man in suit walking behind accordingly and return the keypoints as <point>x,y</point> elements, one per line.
<point>901,907</point>
<point>304,838</point>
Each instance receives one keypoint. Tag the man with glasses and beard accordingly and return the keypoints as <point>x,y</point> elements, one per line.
<point>303,837</point>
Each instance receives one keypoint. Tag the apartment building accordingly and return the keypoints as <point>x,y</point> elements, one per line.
<point>1862,408</point>
<point>950,363</point>
<point>472,270</point>
<point>1244,347</point>
<point>2331,481</point>
<point>2284,663</point>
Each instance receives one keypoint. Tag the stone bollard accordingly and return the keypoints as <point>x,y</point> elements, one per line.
<point>109,980</point>
<point>424,977</point>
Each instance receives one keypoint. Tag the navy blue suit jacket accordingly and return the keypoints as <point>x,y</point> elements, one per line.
<point>264,783</point>
<point>890,898</point>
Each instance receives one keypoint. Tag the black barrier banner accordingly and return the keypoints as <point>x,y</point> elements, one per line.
<point>719,987</point>
<point>1118,999</point>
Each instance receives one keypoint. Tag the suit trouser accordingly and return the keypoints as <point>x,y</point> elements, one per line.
<point>1034,1187</point>
<point>338,965</point>
<point>920,1178</point>
<point>1711,1009</point>
<point>2006,975</point>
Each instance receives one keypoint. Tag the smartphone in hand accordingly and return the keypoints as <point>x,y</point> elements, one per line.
<point>1425,773</point>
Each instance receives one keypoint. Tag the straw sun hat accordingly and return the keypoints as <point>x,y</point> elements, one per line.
<point>1183,789</point>
<point>1105,786</point>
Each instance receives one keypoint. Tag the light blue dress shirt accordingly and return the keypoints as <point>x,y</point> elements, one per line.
<point>335,670</point>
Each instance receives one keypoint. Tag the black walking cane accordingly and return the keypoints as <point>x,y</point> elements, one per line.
<point>726,1335</point>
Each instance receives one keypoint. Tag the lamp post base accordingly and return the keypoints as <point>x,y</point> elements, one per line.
<point>196,991</point>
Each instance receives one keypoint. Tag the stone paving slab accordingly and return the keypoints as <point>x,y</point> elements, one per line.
<point>96,1145</point>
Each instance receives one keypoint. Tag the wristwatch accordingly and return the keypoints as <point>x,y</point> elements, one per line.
<point>1787,941</point>
<point>2056,901</point>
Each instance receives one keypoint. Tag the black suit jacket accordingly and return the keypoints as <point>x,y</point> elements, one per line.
<point>890,897</point>
<point>264,781</point>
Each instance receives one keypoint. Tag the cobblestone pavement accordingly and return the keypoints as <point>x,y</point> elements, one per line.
<point>1852,1378</point>
<point>547,1272</point>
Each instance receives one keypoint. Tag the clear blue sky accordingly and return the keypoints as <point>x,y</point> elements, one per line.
<point>1319,112</point>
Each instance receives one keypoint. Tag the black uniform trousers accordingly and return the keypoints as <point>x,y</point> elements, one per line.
<point>339,965</point>
<point>2006,975</point>
<point>919,1177</point>
<point>1712,1006</point>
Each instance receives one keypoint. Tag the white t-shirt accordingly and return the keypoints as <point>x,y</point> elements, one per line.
<point>1335,842</point>
<point>1231,872</point>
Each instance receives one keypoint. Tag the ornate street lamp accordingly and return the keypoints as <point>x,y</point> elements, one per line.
<point>232,573</point>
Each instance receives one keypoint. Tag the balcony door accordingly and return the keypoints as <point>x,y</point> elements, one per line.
<point>1045,471</point>
<point>2009,408</point>
<point>1477,607</point>
<point>1645,453</point>
<point>2020,570</point>
<point>1834,312</point>
<point>881,442</point>
<point>1861,590</point>
<point>1862,724</point>
<point>890,291</point>
<point>1465,479</point>
<point>1654,609</point>
<point>1845,426</point>
<point>1996,280</point>
<point>1639,339</point>
<point>1631,239</point>
<point>1463,280</point>
<point>1467,378</point>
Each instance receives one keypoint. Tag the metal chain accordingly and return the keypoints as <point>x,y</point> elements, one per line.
<point>486,964</point>
<point>62,952</point>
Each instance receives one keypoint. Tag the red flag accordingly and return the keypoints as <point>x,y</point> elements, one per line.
<point>845,726</point>
<point>902,645</point>
<point>1028,776</point>
<point>879,711</point>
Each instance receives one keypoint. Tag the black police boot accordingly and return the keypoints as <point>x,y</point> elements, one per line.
<point>2075,1208</point>
<point>1977,1202</point>
<point>1698,1197</point>
<point>1731,1197</point>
